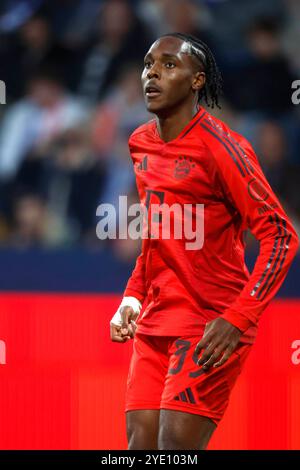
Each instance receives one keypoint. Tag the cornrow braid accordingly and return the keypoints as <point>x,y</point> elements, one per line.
<point>212,89</point>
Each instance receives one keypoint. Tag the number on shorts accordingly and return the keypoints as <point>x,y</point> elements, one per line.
<point>183,347</point>
<point>198,372</point>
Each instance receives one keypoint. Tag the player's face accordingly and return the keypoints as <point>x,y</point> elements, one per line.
<point>169,77</point>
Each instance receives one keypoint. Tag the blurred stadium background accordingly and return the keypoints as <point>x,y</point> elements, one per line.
<point>73,95</point>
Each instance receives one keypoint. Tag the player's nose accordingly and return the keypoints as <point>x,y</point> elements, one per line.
<point>153,72</point>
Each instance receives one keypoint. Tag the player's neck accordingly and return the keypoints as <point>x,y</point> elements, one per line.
<point>170,125</point>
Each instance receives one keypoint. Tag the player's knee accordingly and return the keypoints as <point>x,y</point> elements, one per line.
<point>135,440</point>
<point>169,439</point>
<point>139,437</point>
<point>176,439</point>
<point>142,429</point>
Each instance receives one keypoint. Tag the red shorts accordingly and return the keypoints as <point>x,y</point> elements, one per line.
<point>164,374</point>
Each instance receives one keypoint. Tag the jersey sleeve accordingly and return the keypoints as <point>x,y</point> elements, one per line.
<point>136,283</point>
<point>244,184</point>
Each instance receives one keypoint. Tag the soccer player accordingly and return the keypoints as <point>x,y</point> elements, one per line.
<point>201,307</point>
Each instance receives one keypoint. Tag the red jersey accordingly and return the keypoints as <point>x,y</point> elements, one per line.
<point>207,163</point>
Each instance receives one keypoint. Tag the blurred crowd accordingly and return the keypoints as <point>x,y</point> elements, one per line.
<point>72,73</point>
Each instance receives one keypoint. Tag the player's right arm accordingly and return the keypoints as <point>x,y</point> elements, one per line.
<point>123,323</point>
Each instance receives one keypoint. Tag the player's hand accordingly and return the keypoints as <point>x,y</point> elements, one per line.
<point>122,325</point>
<point>121,334</point>
<point>218,343</point>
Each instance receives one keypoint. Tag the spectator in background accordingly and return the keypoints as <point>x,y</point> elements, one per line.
<point>272,148</point>
<point>34,225</point>
<point>74,178</point>
<point>66,183</point>
<point>32,123</point>
<point>32,48</point>
<point>75,24</point>
<point>283,177</point>
<point>291,34</point>
<point>262,83</point>
<point>153,13</point>
<point>120,111</point>
<point>119,35</point>
<point>186,16</point>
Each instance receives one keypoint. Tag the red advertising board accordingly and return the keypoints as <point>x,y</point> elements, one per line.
<point>62,381</point>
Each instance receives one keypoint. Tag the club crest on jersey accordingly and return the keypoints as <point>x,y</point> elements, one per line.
<point>183,166</point>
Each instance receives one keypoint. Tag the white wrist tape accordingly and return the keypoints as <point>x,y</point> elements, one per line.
<point>132,302</point>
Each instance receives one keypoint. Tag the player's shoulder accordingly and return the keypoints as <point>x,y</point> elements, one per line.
<point>223,134</point>
<point>141,131</point>
<point>227,148</point>
<point>220,135</point>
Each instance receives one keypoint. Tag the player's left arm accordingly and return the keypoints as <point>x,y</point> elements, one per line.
<point>243,182</point>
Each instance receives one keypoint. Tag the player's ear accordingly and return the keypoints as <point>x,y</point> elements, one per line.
<point>198,81</point>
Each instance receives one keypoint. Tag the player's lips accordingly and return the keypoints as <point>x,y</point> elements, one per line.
<point>152,90</point>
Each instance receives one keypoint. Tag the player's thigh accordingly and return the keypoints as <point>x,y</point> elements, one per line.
<point>142,429</point>
<point>147,372</point>
<point>185,431</point>
<point>146,377</point>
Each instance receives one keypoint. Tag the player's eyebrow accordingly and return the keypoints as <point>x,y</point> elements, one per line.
<point>164,54</point>
<point>167,54</point>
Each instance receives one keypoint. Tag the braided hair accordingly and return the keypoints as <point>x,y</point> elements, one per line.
<point>213,86</point>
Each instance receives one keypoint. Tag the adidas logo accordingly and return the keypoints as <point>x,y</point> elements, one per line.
<point>187,396</point>
<point>143,165</point>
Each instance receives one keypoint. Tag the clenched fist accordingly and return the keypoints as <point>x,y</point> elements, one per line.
<point>122,325</point>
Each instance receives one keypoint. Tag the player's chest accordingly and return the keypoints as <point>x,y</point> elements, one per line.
<point>175,168</point>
